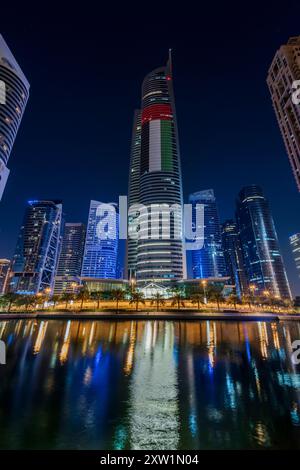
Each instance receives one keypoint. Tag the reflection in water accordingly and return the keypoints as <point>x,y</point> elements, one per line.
<point>149,385</point>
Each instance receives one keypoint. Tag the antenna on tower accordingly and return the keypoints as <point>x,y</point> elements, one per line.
<point>170,60</point>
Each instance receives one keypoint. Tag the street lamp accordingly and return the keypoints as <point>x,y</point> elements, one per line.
<point>204,284</point>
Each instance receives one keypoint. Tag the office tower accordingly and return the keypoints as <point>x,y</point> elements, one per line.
<point>14,93</point>
<point>101,250</point>
<point>133,195</point>
<point>4,274</point>
<point>36,256</point>
<point>160,253</point>
<point>262,259</point>
<point>68,272</point>
<point>295,246</point>
<point>233,256</point>
<point>284,71</point>
<point>209,260</point>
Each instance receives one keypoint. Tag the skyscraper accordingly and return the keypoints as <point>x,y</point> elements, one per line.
<point>262,259</point>
<point>36,256</point>
<point>70,258</point>
<point>295,246</point>
<point>14,93</point>
<point>4,274</point>
<point>133,194</point>
<point>233,256</point>
<point>155,182</point>
<point>209,260</point>
<point>100,254</point>
<point>283,72</point>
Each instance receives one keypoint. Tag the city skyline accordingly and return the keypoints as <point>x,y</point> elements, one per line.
<point>287,225</point>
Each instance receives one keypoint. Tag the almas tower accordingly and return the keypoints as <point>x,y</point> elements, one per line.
<point>155,250</point>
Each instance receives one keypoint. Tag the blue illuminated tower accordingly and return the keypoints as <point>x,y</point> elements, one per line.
<point>264,266</point>
<point>100,255</point>
<point>209,260</point>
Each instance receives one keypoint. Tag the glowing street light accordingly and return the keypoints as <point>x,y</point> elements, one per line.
<point>204,284</point>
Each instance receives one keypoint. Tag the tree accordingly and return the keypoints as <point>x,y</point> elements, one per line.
<point>177,298</point>
<point>83,295</point>
<point>197,299</point>
<point>158,300</point>
<point>97,296</point>
<point>10,299</point>
<point>117,295</point>
<point>215,294</point>
<point>28,301</point>
<point>55,298</point>
<point>233,299</point>
<point>67,297</point>
<point>137,298</point>
<point>247,299</point>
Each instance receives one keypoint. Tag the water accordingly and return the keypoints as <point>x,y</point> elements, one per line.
<point>149,385</point>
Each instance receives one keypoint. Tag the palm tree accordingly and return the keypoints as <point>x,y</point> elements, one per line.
<point>27,301</point>
<point>247,299</point>
<point>55,298</point>
<point>97,296</point>
<point>67,297</point>
<point>117,295</point>
<point>233,299</point>
<point>215,295</point>
<point>197,299</point>
<point>137,298</point>
<point>158,300</point>
<point>83,295</point>
<point>177,298</point>
<point>10,299</point>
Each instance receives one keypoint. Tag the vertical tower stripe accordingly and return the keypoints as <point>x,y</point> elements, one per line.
<point>155,146</point>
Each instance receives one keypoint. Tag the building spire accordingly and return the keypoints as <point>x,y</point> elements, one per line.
<point>170,61</point>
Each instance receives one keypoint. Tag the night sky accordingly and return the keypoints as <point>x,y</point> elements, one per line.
<point>86,66</point>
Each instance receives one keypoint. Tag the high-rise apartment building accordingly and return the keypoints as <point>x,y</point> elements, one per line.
<point>4,274</point>
<point>68,272</point>
<point>233,256</point>
<point>283,82</point>
<point>295,246</point>
<point>14,93</point>
<point>263,263</point>
<point>36,255</point>
<point>209,260</point>
<point>101,249</point>
<point>134,196</point>
<point>155,182</point>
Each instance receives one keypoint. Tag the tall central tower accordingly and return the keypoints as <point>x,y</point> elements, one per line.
<point>156,255</point>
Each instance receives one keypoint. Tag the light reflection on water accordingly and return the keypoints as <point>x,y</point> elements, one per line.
<point>149,385</point>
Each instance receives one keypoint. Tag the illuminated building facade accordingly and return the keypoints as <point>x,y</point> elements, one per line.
<point>100,254</point>
<point>284,70</point>
<point>70,258</point>
<point>263,263</point>
<point>14,94</point>
<point>4,274</point>
<point>295,246</point>
<point>209,260</point>
<point>233,256</point>
<point>36,255</point>
<point>155,179</point>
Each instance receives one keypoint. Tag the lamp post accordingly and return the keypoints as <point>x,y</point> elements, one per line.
<point>204,284</point>
<point>252,289</point>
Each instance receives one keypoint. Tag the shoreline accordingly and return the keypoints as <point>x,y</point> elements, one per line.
<point>191,316</point>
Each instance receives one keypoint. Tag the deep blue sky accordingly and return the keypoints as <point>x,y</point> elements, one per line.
<point>86,66</point>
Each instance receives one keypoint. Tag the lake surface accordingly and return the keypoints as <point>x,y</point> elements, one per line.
<point>149,385</point>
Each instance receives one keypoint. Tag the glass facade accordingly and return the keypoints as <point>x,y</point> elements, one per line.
<point>209,260</point>
<point>233,256</point>
<point>70,259</point>
<point>262,258</point>
<point>36,256</point>
<point>295,246</point>
<point>160,255</point>
<point>100,255</point>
